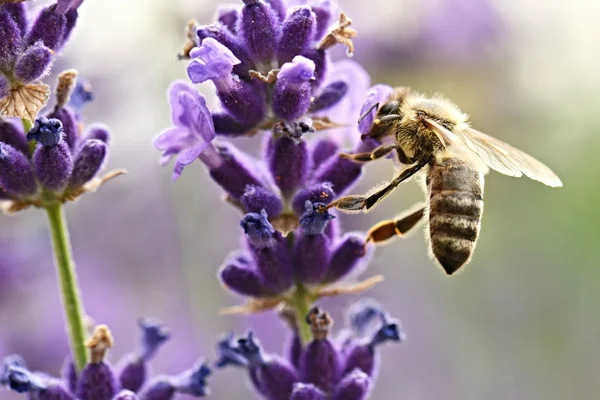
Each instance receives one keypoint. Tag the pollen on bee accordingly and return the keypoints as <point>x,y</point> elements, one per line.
<point>377,121</point>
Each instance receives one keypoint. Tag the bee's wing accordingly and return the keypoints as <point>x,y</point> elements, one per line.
<point>506,159</point>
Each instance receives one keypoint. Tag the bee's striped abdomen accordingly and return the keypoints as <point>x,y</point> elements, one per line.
<point>455,208</point>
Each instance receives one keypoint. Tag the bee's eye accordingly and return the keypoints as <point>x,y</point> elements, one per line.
<point>389,108</point>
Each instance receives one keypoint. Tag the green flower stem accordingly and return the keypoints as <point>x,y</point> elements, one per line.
<point>71,298</point>
<point>302,304</point>
<point>27,125</point>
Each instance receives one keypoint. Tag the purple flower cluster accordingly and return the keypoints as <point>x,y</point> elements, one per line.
<point>130,380</point>
<point>343,368</point>
<point>27,51</point>
<point>54,160</point>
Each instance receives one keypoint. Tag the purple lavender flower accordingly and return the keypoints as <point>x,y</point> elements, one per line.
<point>98,380</point>
<point>193,130</point>
<point>27,53</point>
<point>244,52</point>
<point>324,370</point>
<point>53,157</point>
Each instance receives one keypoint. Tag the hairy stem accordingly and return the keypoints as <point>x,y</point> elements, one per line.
<point>71,298</point>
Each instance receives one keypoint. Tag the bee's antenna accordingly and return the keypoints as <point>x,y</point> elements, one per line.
<point>376,105</point>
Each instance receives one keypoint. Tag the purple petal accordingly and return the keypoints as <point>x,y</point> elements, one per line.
<point>377,94</point>
<point>187,156</point>
<point>211,60</point>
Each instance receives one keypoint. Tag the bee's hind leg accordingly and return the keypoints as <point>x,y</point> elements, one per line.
<point>386,230</point>
<point>366,202</point>
<point>379,152</point>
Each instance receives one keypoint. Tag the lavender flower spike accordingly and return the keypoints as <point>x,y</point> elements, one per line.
<point>34,63</point>
<point>193,130</point>
<point>97,380</point>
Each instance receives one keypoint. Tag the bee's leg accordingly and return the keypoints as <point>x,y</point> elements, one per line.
<point>386,230</point>
<point>366,202</point>
<point>380,152</point>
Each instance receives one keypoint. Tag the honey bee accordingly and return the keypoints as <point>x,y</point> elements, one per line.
<point>431,134</point>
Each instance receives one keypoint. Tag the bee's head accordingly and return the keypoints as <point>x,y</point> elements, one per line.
<point>386,114</point>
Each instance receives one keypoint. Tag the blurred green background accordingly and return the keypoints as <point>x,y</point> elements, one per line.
<point>520,322</point>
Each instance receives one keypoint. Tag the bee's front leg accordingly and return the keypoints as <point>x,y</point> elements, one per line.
<point>366,202</point>
<point>380,152</point>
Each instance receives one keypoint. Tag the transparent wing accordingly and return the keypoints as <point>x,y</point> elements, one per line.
<point>506,159</point>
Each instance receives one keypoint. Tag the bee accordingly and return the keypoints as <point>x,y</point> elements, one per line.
<point>433,136</point>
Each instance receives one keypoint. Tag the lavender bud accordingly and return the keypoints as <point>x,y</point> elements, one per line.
<point>229,353</point>
<point>320,363</point>
<point>311,257</point>
<point>12,134</point>
<point>316,193</point>
<point>235,172</point>
<point>97,380</point>
<point>295,349</point>
<point>70,375</point>
<point>10,40</point>
<point>276,379</point>
<point>228,16</point>
<point>34,63</point>
<point>245,102</point>
<point>225,124</point>
<point>53,165</point>
<point>99,132</point>
<point>241,277</point>
<point>232,42</point>
<point>49,27</point>
<point>291,97</point>
<point>69,125</point>
<point>133,370</point>
<point>340,172</point>
<point>71,16</point>
<point>306,392</point>
<point>279,7</point>
<point>330,96</point>
<point>289,163</point>
<point>88,163</point>
<point>126,395</point>
<point>47,132</point>
<point>312,221</point>
<point>258,229</point>
<point>4,86</point>
<point>20,380</point>
<point>322,151</point>
<point>81,95</point>
<point>193,381</point>
<point>257,198</point>
<point>12,360</point>
<point>323,13</point>
<point>259,26</point>
<point>347,256</point>
<point>274,264</point>
<point>297,34</point>
<point>354,386</point>
<point>18,12</point>
<point>16,175</point>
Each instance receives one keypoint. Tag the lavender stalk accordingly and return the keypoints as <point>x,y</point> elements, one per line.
<point>67,278</point>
